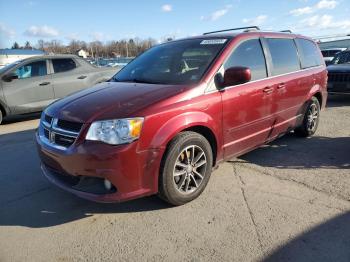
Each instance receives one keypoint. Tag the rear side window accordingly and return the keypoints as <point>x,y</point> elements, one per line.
<point>309,54</point>
<point>63,65</point>
<point>37,68</point>
<point>249,54</point>
<point>284,55</point>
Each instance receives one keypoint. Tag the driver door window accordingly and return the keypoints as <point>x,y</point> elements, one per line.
<point>33,69</point>
<point>249,54</point>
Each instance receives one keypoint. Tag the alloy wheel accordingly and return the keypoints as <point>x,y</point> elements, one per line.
<point>312,117</point>
<point>189,169</point>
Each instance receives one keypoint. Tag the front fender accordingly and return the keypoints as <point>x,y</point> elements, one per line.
<point>2,101</point>
<point>168,130</point>
<point>184,121</point>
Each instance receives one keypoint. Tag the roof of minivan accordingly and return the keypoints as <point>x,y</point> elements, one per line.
<point>231,35</point>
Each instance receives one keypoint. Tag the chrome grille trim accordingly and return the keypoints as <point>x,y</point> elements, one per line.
<point>54,135</point>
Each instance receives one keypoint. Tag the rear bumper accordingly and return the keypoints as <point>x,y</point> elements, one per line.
<point>133,174</point>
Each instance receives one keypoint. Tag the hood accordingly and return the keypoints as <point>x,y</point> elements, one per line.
<point>341,68</point>
<point>110,100</point>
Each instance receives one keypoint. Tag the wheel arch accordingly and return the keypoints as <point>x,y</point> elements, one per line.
<point>198,122</point>
<point>4,110</point>
<point>319,97</point>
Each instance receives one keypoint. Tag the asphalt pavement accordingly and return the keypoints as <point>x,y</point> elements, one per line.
<point>286,201</point>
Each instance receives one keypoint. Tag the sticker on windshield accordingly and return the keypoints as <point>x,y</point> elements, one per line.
<point>213,42</point>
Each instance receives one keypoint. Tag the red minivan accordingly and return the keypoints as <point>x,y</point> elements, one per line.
<point>166,119</point>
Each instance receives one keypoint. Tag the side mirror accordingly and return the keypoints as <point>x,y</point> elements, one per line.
<point>9,77</point>
<point>234,76</point>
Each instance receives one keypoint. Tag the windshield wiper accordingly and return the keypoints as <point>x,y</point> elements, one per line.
<point>137,80</point>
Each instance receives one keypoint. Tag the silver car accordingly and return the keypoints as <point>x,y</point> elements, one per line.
<point>31,84</point>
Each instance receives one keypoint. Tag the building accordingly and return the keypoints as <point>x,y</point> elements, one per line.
<point>343,43</point>
<point>82,53</point>
<point>8,56</point>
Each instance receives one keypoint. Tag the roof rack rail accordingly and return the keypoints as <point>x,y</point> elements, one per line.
<point>233,29</point>
<point>286,31</point>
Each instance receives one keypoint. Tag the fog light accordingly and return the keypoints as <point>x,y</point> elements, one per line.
<point>107,184</point>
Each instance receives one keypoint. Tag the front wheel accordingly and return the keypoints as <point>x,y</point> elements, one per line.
<point>311,119</point>
<point>185,169</point>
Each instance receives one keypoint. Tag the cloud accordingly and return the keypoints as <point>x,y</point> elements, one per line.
<point>6,32</point>
<point>326,4</point>
<point>167,8</point>
<point>325,22</point>
<point>301,11</point>
<point>72,36</point>
<point>41,31</point>
<point>259,20</point>
<point>323,4</point>
<point>217,14</point>
<point>31,3</point>
<point>97,36</point>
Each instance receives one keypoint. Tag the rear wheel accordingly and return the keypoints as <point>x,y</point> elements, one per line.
<point>311,119</point>
<point>185,169</point>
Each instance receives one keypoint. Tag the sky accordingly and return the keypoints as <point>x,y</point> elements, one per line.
<point>106,20</point>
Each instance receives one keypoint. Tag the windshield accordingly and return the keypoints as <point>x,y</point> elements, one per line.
<point>9,66</point>
<point>178,62</point>
<point>341,58</point>
<point>330,53</point>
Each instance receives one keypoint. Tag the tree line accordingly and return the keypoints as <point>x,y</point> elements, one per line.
<point>124,48</point>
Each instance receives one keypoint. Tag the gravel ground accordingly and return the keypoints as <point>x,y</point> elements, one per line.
<point>286,201</point>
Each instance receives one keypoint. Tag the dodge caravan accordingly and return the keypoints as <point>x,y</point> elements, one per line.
<point>162,123</point>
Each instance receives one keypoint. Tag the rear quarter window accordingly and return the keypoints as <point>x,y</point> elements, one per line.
<point>309,54</point>
<point>63,65</point>
<point>284,55</point>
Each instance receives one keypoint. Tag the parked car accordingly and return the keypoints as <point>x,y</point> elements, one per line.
<point>339,74</point>
<point>172,114</point>
<point>29,85</point>
<point>328,54</point>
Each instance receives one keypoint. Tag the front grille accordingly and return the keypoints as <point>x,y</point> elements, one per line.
<point>48,118</point>
<point>69,125</point>
<point>64,140</point>
<point>338,77</point>
<point>60,132</point>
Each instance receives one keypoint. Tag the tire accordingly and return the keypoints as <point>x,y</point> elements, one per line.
<point>0,116</point>
<point>184,177</point>
<point>310,120</point>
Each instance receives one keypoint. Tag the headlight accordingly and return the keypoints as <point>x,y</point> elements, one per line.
<point>115,132</point>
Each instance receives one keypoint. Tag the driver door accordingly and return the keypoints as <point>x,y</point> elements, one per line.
<point>32,90</point>
<point>247,117</point>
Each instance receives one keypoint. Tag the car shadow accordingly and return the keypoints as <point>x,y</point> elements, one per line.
<point>28,199</point>
<point>329,241</point>
<point>293,152</point>
<point>20,118</point>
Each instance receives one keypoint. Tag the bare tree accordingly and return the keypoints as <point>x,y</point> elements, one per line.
<point>121,48</point>
<point>41,44</point>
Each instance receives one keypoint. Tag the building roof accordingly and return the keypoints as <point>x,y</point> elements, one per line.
<point>21,52</point>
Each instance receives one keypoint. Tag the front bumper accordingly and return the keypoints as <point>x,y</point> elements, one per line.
<point>133,173</point>
<point>338,88</point>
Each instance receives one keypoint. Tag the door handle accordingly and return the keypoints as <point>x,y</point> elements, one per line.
<point>281,86</point>
<point>44,83</point>
<point>82,77</point>
<point>268,90</point>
